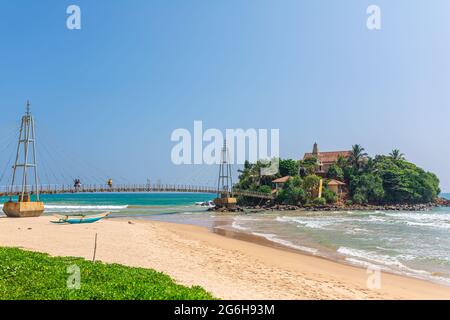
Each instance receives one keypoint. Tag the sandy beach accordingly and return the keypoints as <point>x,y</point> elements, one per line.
<point>228,268</point>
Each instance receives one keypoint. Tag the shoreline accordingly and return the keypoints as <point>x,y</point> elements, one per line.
<point>312,252</point>
<point>229,268</point>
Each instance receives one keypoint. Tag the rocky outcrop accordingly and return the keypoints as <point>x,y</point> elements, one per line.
<point>224,209</point>
<point>353,207</point>
<point>441,202</point>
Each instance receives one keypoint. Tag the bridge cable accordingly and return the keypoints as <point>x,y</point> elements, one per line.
<point>69,160</point>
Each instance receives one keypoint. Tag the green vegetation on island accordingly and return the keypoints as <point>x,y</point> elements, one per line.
<point>356,179</point>
<point>28,275</point>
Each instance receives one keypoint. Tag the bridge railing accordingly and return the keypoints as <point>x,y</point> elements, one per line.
<point>99,188</point>
<point>55,188</point>
<point>256,194</point>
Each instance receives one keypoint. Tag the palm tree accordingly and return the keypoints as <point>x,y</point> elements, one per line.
<point>357,155</point>
<point>247,175</point>
<point>341,162</point>
<point>251,174</point>
<point>397,155</point>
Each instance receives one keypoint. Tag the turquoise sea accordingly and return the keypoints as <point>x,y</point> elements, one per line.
<point>414,243</point>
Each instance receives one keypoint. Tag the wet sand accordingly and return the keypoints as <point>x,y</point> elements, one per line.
<point>227,267</point>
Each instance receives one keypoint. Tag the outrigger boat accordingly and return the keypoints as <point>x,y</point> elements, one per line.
<point>80,218</point>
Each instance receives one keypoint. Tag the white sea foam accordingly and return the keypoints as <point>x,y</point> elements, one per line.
<point>237,226</point>
<point>442,225</point>
<point>376,219</point>
<point>363,213</point>
<point>357,231</point>
<point>286,243</point>
<point>81,208</point>
<point>312,223</point>
<point>388,263</point>
<point>364,264</point>
<point>429,220</point>
<point>420,216</point>
<point>380,260</point>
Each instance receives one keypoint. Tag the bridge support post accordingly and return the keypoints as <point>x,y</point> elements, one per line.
<point>25,159</point>
<point>225,200</point>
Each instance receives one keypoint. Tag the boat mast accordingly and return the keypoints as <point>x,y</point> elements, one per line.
<point>27,139</point>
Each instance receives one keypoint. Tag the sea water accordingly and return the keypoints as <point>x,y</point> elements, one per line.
<point>414,243</point>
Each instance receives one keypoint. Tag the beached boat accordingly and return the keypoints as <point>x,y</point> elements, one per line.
<point>76,219</point>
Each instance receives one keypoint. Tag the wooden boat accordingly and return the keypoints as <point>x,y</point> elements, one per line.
<point>81,218</point>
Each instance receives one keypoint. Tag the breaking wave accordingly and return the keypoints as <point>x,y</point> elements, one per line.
<point>237,226</point>
<point>286,243</point>
<point>313,223</point>
<point>388,263</point>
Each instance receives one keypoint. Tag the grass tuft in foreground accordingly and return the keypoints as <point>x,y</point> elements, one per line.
<point>28,275</point>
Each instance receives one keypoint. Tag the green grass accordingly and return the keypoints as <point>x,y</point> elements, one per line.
<point>28,275</point>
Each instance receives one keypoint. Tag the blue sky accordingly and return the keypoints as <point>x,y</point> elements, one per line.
<point>107,97</point>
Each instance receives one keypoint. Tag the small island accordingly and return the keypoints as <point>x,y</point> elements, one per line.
<point>342,180</point>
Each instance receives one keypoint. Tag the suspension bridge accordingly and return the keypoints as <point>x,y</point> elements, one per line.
<point>127,188</point>
<point>25,158</point>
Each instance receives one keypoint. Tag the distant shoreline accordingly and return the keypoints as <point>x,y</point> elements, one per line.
<point>441,202</point>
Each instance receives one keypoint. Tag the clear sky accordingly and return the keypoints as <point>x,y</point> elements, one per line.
<point>109,95</point>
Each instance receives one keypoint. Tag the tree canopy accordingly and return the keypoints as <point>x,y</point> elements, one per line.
<point>380,180</point>
<point>288,167</point>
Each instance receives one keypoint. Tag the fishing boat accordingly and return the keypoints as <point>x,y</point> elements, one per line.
<point>80,218</point>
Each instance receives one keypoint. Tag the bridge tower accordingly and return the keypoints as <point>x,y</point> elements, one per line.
<point>225,197</point>
<point>225,182</point>
<point>25,160</point>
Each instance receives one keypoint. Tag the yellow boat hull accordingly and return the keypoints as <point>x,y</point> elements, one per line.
<point>23,209</point>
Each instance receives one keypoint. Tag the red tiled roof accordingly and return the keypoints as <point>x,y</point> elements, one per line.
<point>282,180</point>
<point>329,157</point>
<point>335,182</point>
